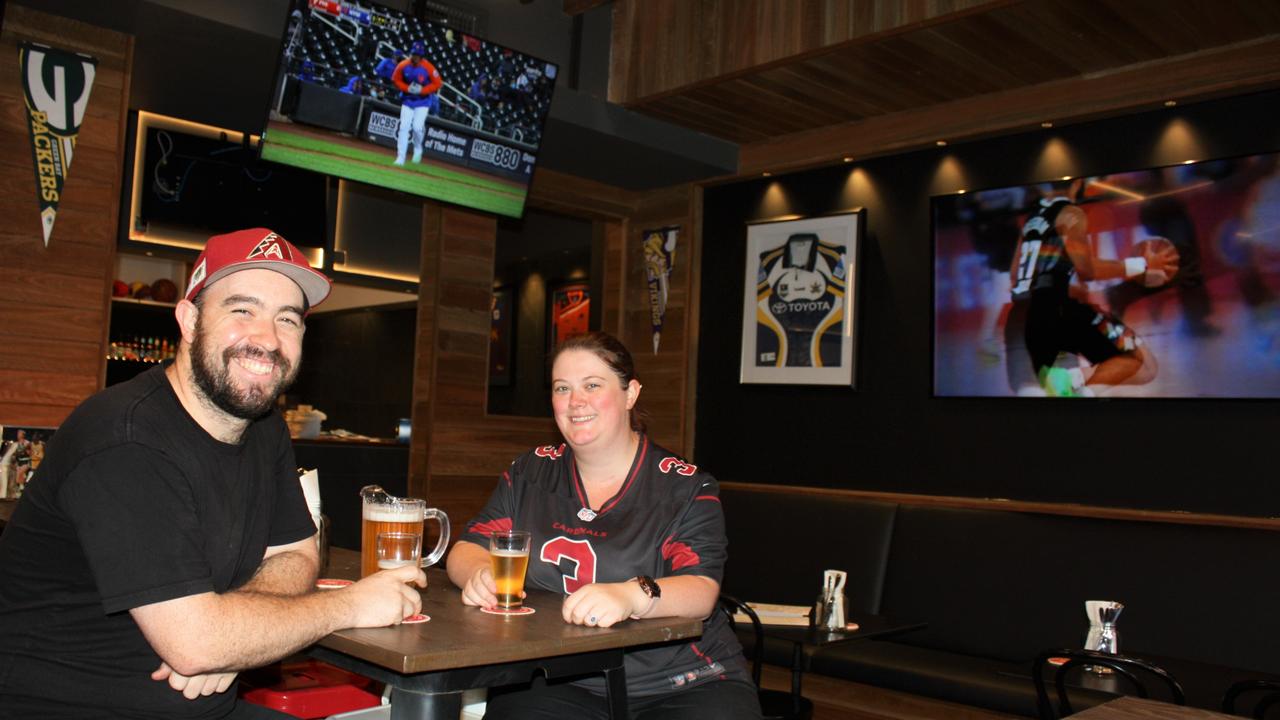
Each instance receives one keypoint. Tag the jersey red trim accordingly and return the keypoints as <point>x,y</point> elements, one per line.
<point>644,450</point>
<point>635,471</point>
<point>496,525</point>
<point>707,497</point>
<point>680,554</point>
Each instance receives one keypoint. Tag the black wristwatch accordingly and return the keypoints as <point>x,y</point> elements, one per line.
<point>650,588</point>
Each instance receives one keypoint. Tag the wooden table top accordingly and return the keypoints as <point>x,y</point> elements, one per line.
<point>461,636</point>
<point>1131,708</point>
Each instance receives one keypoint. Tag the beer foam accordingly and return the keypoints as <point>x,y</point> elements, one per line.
<point>508,553</point>
<point>399,515</point>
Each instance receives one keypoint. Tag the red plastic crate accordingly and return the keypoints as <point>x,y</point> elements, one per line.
<point>312,689</point>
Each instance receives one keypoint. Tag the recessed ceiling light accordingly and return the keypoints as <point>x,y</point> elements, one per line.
<point>1066,177</point>
<point>766,174</point>
<point>941,143</point>
<point>1046,124</point>
<point>1170,103</point>
<point>961,191</point>
<point>1188,162</point>
<point>848,159</point>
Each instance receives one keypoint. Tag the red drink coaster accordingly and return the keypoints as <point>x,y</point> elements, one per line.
<point>511,611</point>
<point>332,583</point>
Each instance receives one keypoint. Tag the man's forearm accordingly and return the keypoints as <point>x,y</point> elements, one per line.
<point>243,629</point>
<point>288,573</point>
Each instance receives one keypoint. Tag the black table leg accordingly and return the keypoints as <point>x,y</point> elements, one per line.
<point>412,705</point>
<point>615,683</point>
<point>797,668</point>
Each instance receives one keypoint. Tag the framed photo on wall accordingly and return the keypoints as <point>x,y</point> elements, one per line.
<point>21,452</point>
<point>501,335</point>
<point>570,312</point>
<point>799,305</point>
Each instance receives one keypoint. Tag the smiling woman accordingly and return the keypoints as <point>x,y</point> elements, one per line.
<point>609,512</point>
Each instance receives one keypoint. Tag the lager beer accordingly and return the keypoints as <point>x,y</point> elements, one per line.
<point>508,573</point>
<point>382,512</point>
<point>509,559</point>
<point>378,520</point>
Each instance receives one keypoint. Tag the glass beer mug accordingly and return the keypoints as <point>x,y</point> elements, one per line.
<point>383,512</point>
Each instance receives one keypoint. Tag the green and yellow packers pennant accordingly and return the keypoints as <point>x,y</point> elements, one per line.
<point>56,84</point>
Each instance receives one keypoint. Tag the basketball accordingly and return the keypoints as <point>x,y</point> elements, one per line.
<point>1164,253</point>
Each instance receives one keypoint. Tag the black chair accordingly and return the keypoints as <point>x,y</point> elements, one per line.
<point>1267,692</point>
<point>774,704</point>
<point>1132,671</point>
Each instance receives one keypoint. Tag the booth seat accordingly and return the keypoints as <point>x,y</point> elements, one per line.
<point>998,586</point>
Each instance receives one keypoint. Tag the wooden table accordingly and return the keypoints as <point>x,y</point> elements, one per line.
<point>1130,708</point>
<point>429,665</point>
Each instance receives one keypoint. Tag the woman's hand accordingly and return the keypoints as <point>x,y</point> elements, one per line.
<point>603,604</point>
<point>480,590</point>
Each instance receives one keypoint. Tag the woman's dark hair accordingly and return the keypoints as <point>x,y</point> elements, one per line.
<point>611,352</point>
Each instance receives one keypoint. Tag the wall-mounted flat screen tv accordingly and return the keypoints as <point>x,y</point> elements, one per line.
<point>371,94</point>
<point>1156,283</point>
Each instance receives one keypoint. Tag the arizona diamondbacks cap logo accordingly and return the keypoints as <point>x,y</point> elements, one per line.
<point>268,247</point>
<point>56,84</point>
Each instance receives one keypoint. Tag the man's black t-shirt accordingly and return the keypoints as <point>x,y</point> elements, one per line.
<point>134,504</point>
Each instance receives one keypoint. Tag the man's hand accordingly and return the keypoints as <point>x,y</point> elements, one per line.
<point>385,598</point>
<point>196,685</point>
<point>414,88</point>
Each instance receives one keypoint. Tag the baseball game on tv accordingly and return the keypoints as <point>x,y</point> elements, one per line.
<point>1157,283</point>
<point>371,94</point>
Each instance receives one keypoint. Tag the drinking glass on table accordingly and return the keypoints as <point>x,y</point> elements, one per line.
<point>509,559</point>
<point>397,549</point>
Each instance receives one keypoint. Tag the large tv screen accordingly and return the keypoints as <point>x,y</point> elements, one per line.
<point>371,94</point>
<point>1156,283</point>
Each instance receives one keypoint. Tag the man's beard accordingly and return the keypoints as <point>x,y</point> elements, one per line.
<point>214,381</point>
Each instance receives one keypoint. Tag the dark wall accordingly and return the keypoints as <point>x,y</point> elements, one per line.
<point>535,254</point>
<point>357,368</point>
<point>890,434</point>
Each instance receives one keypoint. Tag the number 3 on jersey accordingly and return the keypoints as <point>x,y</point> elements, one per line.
<point>582,555</point>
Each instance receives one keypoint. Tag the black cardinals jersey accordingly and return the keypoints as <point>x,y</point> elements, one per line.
<point>665,520</point>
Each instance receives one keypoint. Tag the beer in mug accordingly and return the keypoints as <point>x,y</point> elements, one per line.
<point>508,560</point>
<point>378,521</point>
<point>382,512</point>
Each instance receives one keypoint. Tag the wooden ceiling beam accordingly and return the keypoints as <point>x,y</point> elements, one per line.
<point>1235,69</point>
<point>577,7</point>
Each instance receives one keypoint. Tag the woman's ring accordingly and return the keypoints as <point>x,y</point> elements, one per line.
<point>592,619</point>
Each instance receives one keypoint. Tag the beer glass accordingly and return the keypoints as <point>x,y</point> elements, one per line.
<point>509,559</point>
<point>397,549</point>
<point>382,512</point>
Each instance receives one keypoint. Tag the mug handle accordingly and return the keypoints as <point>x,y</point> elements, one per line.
<point>443,542</point>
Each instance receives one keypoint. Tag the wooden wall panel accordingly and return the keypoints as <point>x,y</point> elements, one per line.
<point>662,45</point>
<point>664,373</point>
<point>458,451</point>
<point>54,301</point>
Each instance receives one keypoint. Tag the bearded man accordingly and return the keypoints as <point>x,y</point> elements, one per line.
<point>164,545</point>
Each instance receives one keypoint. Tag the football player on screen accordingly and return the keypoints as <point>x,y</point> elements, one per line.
<point>419,82</point>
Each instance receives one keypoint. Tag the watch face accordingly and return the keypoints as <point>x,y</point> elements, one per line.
<point>650,586</point>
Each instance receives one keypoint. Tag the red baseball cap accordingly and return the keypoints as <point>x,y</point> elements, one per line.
<point>256,248</point>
